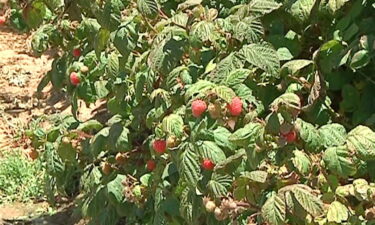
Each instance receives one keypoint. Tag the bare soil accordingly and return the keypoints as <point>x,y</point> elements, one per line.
<point>20,74</point>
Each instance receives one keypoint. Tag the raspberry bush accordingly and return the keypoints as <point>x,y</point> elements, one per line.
<point>216,112</point>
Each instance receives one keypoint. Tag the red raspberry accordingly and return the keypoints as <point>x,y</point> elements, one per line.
<point>291,136</point>
<point>74,79</point>
<point>2,20</point>
<point>207,164</point>
<point>235,107</point>
<point>151,164</point>
<point>76,52</point>
<point>160,146</point>
<point>198,107</point>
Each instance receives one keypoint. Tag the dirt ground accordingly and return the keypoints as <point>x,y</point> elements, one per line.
<point>20,73</point>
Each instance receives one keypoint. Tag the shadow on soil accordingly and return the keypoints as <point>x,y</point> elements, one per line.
<point>66,216</point>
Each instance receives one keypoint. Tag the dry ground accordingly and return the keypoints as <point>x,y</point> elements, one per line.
<point>20,73</point>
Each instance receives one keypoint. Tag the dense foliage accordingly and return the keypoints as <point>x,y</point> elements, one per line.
<point>216,112</point>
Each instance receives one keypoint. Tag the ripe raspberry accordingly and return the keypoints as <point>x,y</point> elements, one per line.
<point>74,79</point>
<point>208,164</point>
<point>2,20</point>
<point>76,52</point>
<point>151,164</point>
<point>198,107</point>
<point>160,146</point>
<point>291,136</point>
<point>235,107</point>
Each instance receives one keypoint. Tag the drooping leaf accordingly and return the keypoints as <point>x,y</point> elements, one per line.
<point>274,210</point>
<point>257,176</point>
<point>312,204</point>
<point>189,166</point>
<point>302,162</point>
<point>190,206</point>
<point>337,212</point>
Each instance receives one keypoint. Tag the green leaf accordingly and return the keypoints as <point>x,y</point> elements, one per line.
<point>300,9</point>
<point>237,77</point>
<point>336,5</point>
<point>200,86</point>
<point>190,206</point>
<point>330,55</point>
<point>113,66</point>
<point>148,8</point>
<point>165,56</point>
<point>274,210</point>
<point>333,135</point>
<point>173,125</point>
<point>310,136</point>
<point>302,162</point>
<point>34,13</point>
<point>257,176</point>
<point>219,184</point>
<point>188,4</point>
<point>224,68</point>
<point>101,89</point>
<point>125,39</point>
<point>189,166</point>
<point>115,189</point>
<point>263,7</point>
<point>209,150</point>
<point>360,59</point>
<point>249,29</point>
<point>89,126</point>
<point>339,161</point>
<point>204,31</point>
<point>118,138</point>
<point>221,137</point>
<point>110,16</point>
<point>288,104</point>
<point>337,212</point>
<point>247,135</point>
<point>224,93</point>
<point>67,152</point>
<point>309,202</point>
<point>231,163</point>
<point>262,56</point>
<point>361,140</point>
<point>293,67</point>
<point>101,40</point>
